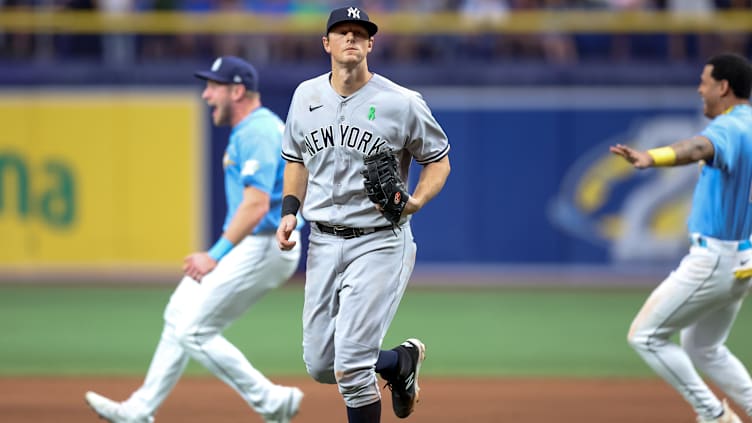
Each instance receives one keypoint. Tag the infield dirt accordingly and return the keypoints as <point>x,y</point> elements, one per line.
<point>207,400</point>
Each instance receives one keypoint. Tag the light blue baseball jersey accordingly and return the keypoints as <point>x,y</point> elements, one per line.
<point>253,158</point>
<point>722,203</point>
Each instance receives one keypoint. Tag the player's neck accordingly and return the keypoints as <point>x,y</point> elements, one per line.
<point>243,110</point>
<point>347,81</point>
<point>737,102</point>
<point>728,105</point>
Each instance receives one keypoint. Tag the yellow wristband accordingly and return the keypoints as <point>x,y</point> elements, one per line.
<point>664,156</point>
<point>743,273</point>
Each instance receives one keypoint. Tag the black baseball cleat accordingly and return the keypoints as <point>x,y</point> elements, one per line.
<point>404,387</point>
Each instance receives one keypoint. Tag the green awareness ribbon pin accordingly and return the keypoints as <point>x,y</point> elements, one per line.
<point>372,113</point>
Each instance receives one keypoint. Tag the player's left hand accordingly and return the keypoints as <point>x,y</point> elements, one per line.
<point>198,265</point>
<point>412,206</point>
<point>638,159</point>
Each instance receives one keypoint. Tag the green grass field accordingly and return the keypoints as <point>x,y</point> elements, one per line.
<point>106,330</point>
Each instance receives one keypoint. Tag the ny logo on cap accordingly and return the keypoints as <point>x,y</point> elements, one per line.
<point>216,65</point>
<point>353,12</point>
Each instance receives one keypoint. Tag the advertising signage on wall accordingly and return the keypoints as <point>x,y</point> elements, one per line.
<point>103,181</point>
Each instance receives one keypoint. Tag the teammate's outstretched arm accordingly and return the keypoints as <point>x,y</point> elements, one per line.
<point>432,178</point>
<point>679,153</point>
<point>293,195</point>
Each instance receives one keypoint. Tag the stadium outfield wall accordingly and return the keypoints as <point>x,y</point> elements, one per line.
<point>533,189</point>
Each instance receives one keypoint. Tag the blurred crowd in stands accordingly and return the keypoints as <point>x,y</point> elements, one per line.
<point>554,48</point>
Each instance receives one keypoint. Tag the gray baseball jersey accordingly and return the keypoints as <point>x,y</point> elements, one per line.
<point>330,135</point>
<point>353,286</point>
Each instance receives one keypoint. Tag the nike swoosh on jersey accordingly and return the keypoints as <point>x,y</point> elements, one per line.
<point>312,108</point>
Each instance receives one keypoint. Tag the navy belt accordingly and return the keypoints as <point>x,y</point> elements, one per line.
<point>702,242</point>
<point>348,232</point>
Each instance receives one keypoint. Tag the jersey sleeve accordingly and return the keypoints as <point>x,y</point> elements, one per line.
<point>718,132</point>
<point>290,148</point>
<point>427,141</point>
<point>259,157</point>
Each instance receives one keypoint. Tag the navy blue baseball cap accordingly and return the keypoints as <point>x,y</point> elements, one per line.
<point>351,14</point>
<point>231,70</point>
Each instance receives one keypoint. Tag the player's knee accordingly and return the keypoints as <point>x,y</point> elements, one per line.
<point>639,335</point>
<point>637,340</point>
<point>319,366</point>
<point>191,338</point>
<point>649,339</point>
<point>321,374</point>
<point>185,338</point>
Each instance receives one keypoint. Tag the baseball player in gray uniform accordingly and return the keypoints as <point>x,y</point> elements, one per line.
<point>358,265</point>
<point>221,284</point>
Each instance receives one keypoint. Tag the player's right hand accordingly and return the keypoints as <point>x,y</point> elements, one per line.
<point>286,226</point>
<point>638,159</point>
<point>198,265</point>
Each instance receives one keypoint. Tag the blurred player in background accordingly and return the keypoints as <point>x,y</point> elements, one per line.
<point>358,264</point>
<point>244,264</point>
<point>703,296</point>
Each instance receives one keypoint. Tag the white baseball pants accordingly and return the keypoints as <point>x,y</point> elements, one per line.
<point>196,315</point>
<point>701,299</point>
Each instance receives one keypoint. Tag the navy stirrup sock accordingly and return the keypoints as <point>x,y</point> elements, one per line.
<point>370,413</point>
<point>386,364</point>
